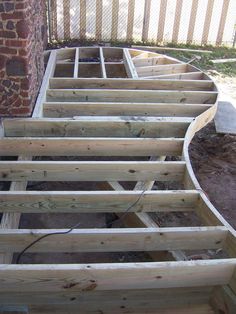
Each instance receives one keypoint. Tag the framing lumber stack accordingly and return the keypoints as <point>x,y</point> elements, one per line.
<point>112,102</point>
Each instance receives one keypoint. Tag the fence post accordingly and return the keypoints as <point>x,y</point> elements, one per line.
<point>146,20</point>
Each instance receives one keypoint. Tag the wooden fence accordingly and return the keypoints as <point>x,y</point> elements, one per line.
<point>157,21</point>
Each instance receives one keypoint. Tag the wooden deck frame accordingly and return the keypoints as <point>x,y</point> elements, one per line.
<point>183,286</point>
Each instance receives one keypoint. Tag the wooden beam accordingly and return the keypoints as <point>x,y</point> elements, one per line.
<point>207,22</point>
<point>132,300</point>
<point>91,170</point>
<point>143,127</point>
<point>76,65</point>
<point>161,69</point>
<point>103,68</point>
<point>192,20</point>
<point>97,201</point>
<point>71,109</point>
<point>99,6</point>
<point>82,24</point>
<point>225,8</point>
<point>179,76</point>
<point>161,48</point>
<point>176,26</point>
<point>115,276</point>
<point>146,20</point>
<point>129,66</point>
<point>90,146</point>
<point>114,22</point>
<point>66,19</point>
<point>116,95</point>
<point>114,240</point>
<point>130,20</point>
<point>161,22</point>
<point>139,84</point>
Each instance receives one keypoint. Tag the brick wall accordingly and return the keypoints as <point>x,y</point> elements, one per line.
<point>22,41</point>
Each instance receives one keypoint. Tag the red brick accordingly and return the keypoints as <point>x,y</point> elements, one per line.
<point>21,111</point>
<point>7,34</point>
<point>16,43</point>
<point>17,15</point>
<point>7,50</point>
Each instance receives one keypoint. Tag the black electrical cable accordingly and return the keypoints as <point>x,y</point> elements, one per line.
<point>72,228</point>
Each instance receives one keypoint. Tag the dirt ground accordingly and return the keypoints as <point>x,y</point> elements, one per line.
<point>213,157</point>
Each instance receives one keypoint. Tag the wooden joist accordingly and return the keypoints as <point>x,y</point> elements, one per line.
<point>117,95</point>
<point>91,171</point>
<point>162,69</point>
<point>140,84</point>
<point>115,240</point>
<point>145,127</point>
<point>178,76</point>
<point>139,300</point>
<point>71,109</point>
<point>156,115</point>
<point>115,276</point>
<point>96,146</point>
<point>98,201</point>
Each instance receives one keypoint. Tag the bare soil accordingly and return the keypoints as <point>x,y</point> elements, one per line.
<point>213,158</point>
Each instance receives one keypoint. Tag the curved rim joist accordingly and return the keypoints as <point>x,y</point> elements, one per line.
<point>116,102</point>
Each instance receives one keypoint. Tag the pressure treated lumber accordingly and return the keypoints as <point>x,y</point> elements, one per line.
<point>162,69</point>
<point>141,84</point>
<point>145,127</point>
<point>132,299</point>
<point>116,95</point>
<point>91,171</point>
<point>98,146</point>
<point>115,240</point>
<point>71,109</point>
<point>97,201</point>
<point>116,276</point>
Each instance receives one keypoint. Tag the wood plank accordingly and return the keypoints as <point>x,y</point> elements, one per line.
<point>82,25</point>
<point>176,26</point>
<point>207,22</point>
<point>66,19</point>
<point>192,20</point>
<point>76,65</point>
<point>161,48</point>
<point>99,6</point>
<point>161,22</point>
<point>157,60</point>
<point>130,20</point>
<point>129,65</point>
<point>97,201</point>
<point>179,76</point>
<point>114,22</point>
<point>225,8</point>
<point>142,127</point>
<point>71,109</point>
<point>90,146</point>
<point>147,299</point>
<point>161,69</point>
<point>73,309</point>
<point>114,240</point>
<point>146,20</point>
<point>113,83</point>
<point>116,276</point>
<point>103,69</point>
<point>91,171</point>
<point>116,95</point>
